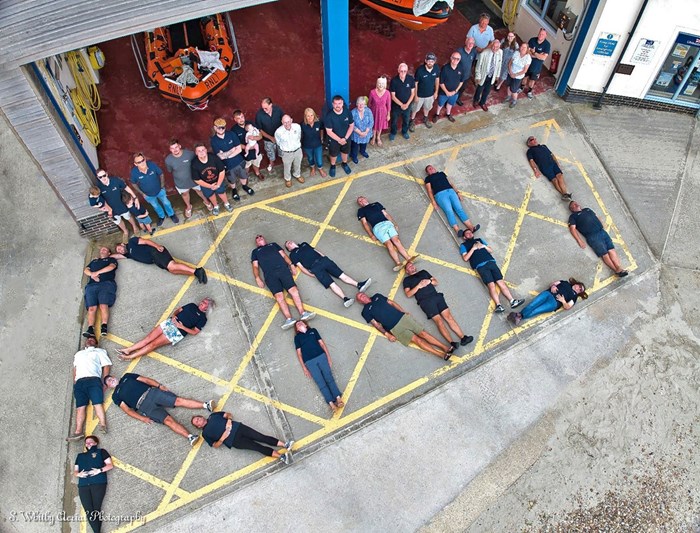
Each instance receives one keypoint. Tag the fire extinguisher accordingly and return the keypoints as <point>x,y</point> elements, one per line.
<point>554,64</point>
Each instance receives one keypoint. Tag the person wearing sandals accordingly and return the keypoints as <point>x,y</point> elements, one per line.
<point>220,428</point>
<point>91,469</point>
<point>179,163</point>
<point>560,294</point>
<point>442,193</point>
<point>394,323</point>
<point>186,320</point>
<point>315,360</point>
<point>312,132</point>
<point>148,252</point>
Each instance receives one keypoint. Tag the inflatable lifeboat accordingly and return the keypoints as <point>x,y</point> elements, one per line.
<point>190,61</point>
<point>408,13</point>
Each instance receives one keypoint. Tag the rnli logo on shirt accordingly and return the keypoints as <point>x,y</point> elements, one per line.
<point>94,455</point>
<point>185,160</point>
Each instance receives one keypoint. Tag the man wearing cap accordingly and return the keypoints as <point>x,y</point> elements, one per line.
<point>267,120</point>
<point>403,92</point>
<point>452,79</point>
<point>288,139</point>
<point>543,161</point>
<point>148,179</point>
<point>427,85</point>
<point>467,54</point>
<point>226,145</point>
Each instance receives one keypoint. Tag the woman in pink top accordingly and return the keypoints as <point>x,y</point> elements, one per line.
<point>380,105</point>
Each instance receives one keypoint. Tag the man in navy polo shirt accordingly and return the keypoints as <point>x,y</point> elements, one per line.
<point>403,92</point>
<point>451,81</point>
<point>539,48</point>
<point>239,129</point>
<point>101,290</point>
<point>428,83</point>
<point>111,189</point>
<point>339,127</point>
<point>226,145</point>
<point>148,252</point>
<point>543,161</point>
<point>147,177</point>
<point>468,54</point>
<point>585,222</point>
<point>267,120</point>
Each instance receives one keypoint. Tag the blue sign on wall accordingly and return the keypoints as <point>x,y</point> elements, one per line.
<point>606,44</point>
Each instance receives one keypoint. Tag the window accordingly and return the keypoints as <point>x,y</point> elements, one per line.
<point>678,79</point>
<point>558,14</point>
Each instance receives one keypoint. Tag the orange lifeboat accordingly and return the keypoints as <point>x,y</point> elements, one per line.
<point>402,12</point>
<point>178,63</point>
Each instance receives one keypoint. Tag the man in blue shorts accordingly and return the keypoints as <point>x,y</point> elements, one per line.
<point>538,48</point>
<point>279,277</point>
<point>150,253</point>
<point>452,79</point>
<point>543,161</point>
<point>148,179</point>
<point>101,290</point>
<point>227,147</point>
<point>583,221</point>
<point>316,265</point>
<point>380,226</point>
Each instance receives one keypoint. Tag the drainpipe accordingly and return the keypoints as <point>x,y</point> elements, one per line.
<point>599,102</point>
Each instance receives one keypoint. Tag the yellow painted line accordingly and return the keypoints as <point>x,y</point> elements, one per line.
<point>145,476</point>
<point>281,406</point>
<point>404,176</point>
<point>546,218</point>
<point>355,376</point>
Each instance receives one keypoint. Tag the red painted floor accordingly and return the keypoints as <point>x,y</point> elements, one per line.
<point>281,55</point>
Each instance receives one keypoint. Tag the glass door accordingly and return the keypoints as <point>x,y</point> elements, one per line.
<point>678,79</point>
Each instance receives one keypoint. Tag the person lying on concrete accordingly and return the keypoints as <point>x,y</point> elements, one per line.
<point>220,428</point>
<point>90,366</point>
<point>394,323</point>
<point>442,193</point>
<point>186,320</point>
<point>316,265</point>
<point>478,253</point>
<point>380,226</point>
<point>560,294</point>
<point>432,303</point>
<point>543,161</point>
<point>148,252</point>
<point>583,221</point>
<point>315,360</point>
<point>101,290</point>
<point>145,399</point>
<point>279,276</point>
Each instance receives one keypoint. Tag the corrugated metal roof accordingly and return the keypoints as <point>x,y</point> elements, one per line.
<point>34,29</point>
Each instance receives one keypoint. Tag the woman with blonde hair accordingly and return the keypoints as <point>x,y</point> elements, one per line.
<point>364,122</point>
<point>560,294</point>
<point>312,131</point>
<point>380,105</point>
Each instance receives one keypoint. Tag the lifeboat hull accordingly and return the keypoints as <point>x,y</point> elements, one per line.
<point>402,12</point>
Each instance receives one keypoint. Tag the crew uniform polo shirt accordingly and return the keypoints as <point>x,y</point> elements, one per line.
<point>139,252</point>
<point>96,201</point>
<point>402,89</point>
<point>308,344</point>
<point>374,213</point>
<point>269,123</point>
<point>586,222</point>
<point>425,293</point>
<point>100,263</point>
<point>382,311</point>
<point>229,140</point>
<point>129,390</point>
<point>112,194</point>
<point>239,131</point>
<point>542,156</point>
<point>438,182</point>
<point>216,426</point>
<point>451,77</point>
<point>338,123</point>
<point>305,254</point>
<point>191,317</point>
<point>311,135</point>
<point>467,61</point>
<point>480,257</point>
<point>93,458</point>
<point>149,181</point>
<point>425,80</point>
<point>209,171</point>
<point>181,169</point>
<point>268,257</point>
<point>567,291</point>
<point>540,48</point>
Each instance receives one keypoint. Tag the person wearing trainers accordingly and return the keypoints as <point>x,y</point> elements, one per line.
<point>452,78</point>
<point>381,227</point>
<point>279,276</point>
<point>316,362</point>
<point>148,252</point>
<point>394,323</point>
<point>220,428</point>
<point>517,68</point>
<point>267,120</point>
<point>427,86</point>
<point>442,193</point>
<point>362,132</point>
<point>403,91</point>
<point>488,69</point>
<point>239,128</point>
<point>145,399</point>
<point>468,54</point>
<point>538,48</point>
<point>90,366</point>
<point>316,265</point>
<point>208,171</point>
<point>227,147</point>
<point>148,179</point>
<point>179,163</point>
<point>288,140</point>
<point>432,303</point>
<point>91,469</point>
<point>478,253</point>
<point>543,161</point>
<point>101,290</point>
<point>186,320</point>
<point>560,294</point>
<point>583,221</point>
<point>339,127</point>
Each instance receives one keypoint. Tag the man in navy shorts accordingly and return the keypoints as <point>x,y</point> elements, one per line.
<point>583,221</point>
<point>538,48</point>
<point>149,253</point>
<point>542,161</point>
<point>101,290</point>
<point>279,277</point>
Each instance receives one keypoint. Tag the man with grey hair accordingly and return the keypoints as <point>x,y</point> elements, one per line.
<point>288,140</point>
<point>488,68</point>
<point>403,92</point>
<point>467,56</point>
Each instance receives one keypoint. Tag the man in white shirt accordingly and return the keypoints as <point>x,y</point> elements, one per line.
<point>288,140</point>
<point>90,366</point>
